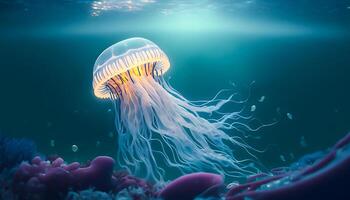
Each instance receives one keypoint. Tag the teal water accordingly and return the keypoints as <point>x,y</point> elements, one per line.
<point>296,53</point>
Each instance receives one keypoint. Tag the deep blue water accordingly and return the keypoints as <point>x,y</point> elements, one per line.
<point>295,52</point>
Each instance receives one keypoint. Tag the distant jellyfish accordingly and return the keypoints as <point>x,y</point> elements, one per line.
<point>156,126</point>
<point>75,148</point>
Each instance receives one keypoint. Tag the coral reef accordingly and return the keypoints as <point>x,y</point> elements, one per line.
<point>89,195</point>
<point>193,185</point>
<point>321,175</point>
<point>316,176</point>
<point>42,179</point>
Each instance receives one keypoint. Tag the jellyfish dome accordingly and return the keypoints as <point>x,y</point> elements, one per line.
<point>157,127</point>
<point>123,60</point>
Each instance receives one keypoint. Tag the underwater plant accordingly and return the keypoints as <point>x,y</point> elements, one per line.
<point>156,125</point>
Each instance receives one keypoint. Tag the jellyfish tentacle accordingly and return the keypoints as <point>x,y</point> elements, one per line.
<point>153,113</point>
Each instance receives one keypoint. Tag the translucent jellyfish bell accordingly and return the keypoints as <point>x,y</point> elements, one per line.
<point>156,126</point>
<point>129,57</point>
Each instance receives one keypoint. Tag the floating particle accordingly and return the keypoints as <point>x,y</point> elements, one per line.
<point>282,158</point>
<point>290,116</point>
<point>110,134</point>
<point>258,137</point>
<point>74,148</point>
<point>52,143</point>
<point>262,98</point>
<point>49,124</point>
<point>251,165</point>
<point>98,143</point>
<point>291,156</point>
<point>303,142</point>
<point>253,108</point>
<point>233,184</point>
<point>278,110</point>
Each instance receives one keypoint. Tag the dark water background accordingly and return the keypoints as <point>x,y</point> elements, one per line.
<point>296,52</point>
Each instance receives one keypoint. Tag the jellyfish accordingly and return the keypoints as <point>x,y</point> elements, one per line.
<point>156,126</point>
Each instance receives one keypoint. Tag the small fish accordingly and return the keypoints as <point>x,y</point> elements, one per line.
<point>109,110</point>
<point>290,116</point>
<point>253,108</point>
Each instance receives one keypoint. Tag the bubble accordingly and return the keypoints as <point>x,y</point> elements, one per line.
<point>253,108</point>
<point>75,148</point>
